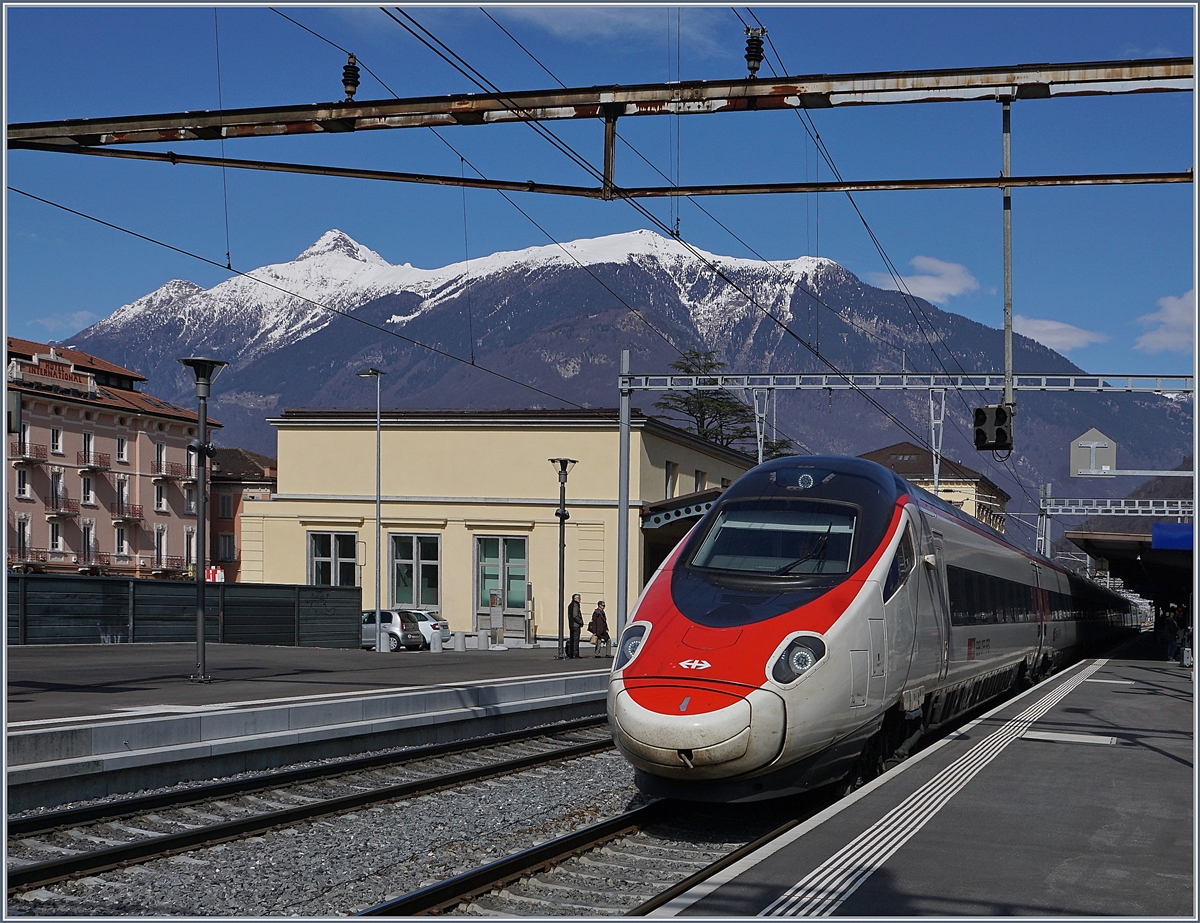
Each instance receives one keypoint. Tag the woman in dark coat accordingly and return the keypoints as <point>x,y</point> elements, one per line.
<point>599,629</point>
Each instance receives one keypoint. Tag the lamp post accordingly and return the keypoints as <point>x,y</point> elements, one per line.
<point>376,374</point>
<point>206,371</point>
<point>564,466</point>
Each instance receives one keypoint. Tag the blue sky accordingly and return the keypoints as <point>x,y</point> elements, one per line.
<point>1104,274</point>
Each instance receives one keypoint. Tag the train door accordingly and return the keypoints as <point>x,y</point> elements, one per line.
<point>1040,614</point>
<point>937,580</point>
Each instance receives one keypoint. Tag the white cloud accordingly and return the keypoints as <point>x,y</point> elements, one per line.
<point>936,281</point>
<point>704,33</point>
<point>60,324</point>
<point>1174,325</point>
<point>1055,334</point>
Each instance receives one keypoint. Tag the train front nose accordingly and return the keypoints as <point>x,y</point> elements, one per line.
<point>696,731</point>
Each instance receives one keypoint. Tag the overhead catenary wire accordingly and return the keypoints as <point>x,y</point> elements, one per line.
<point>459,64</point>
<point>906,295</point>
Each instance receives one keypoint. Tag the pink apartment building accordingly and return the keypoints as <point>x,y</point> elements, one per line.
<point>101,477</point>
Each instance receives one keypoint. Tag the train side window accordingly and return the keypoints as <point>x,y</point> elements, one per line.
<point>902,565</point>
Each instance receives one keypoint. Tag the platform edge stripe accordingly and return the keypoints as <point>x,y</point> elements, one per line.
<point>811,897</point>
<point>681,903</point>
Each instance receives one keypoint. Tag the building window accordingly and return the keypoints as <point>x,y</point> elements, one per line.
<point>23,534</point>
<point>189,547</point>
<point>56,440</point>
<point>725,482</point>
<point>22,482</point>
<point>160,497</point>
<point>225,502</point>
<point>56,537</point>
<point>701,480</point>
<point>25,441</point>
<point>57,494</point>
<point>87,545</point>
<point>189,500</point>
<point>226,547</point>
<point>160,545</point>
<point>85,489</point>
<point>333,558</point>
<point>89,445</point>
<point>416,570</point>
<point>503,567</point>
<point>190,461</point>
<point>122,449</point>
<point>672,478</point>
<point>122,541</point>
<point>122,494</point>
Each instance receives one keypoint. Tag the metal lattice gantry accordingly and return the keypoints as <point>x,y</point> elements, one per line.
<point>910,381</point>
<point>1057,506</point>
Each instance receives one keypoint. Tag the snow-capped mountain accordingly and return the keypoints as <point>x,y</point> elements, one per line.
<point>556,318</point>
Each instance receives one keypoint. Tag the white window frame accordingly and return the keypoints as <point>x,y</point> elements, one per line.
<point>56,440</point>
<point>56,539</point>
<point>701,480</point>
<point>24,532</point>
<point>122,449</point>
<point>418,565</point>
<point>189,501</point>
<point>87,493</point>
<point>672,470</point>
<point>189,546</point>
<point>160,498</point>
<point>336,561</point>
<point>160,545</point>
<point>121,540</point>
<point>477,588</point>
<point>23,484</point>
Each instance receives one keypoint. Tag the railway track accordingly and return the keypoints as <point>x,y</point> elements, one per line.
<point>96,838</point>
<point>627,865</point>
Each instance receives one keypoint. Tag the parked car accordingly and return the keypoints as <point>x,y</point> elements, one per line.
<point>429,622</point>
<point>400,629</point>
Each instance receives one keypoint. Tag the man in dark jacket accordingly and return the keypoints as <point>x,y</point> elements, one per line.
<point>599,629</point>
<point>575,621</point>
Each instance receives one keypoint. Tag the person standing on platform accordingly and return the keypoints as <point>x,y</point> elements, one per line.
<point>1171,630</point>
<point>575,621</point>
<point>599,629</point>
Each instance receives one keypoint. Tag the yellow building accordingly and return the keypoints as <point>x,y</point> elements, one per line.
<point>958,485</point>
<point>468,506</point>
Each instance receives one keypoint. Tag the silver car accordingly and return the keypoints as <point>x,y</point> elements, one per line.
<point>429,622</point>
<point>399,627</point>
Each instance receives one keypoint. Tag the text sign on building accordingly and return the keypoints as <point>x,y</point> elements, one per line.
<point>1093,455</point>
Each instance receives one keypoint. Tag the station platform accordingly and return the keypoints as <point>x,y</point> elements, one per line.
<point>1075,798</point>
<point>90,720</point>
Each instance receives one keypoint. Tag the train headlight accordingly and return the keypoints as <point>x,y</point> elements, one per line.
<point>797,659</point>
<point>631,640</point>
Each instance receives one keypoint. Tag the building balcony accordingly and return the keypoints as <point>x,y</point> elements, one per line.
<point>61,507</point>
<point>168,564</point>
<point>126,512</point>
<point>168,471</point>
<point>28,559</point>
<point>93,461</point>
<point>92,561</point>
<point>189,473</point>
<point>26,453</point>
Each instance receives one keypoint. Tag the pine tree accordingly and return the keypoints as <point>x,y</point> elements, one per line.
<point>719,417</point>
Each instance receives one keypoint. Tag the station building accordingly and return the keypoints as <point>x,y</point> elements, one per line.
<point>468,507</point>
<point>101,478</point>
<point>958,485</point>
<point>237,475</point>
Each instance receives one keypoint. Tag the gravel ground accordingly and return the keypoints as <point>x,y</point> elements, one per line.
<point>338,865</point>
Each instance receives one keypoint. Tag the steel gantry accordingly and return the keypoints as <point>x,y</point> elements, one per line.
<point>109,136</point>
<point>767,382</point>
<point>1050,506</point>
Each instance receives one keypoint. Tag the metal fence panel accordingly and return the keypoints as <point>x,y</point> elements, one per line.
<point>67,609</point>
<point>260,614</point>
<point>330,617</point>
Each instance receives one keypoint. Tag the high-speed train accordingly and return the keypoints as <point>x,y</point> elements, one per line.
<point>821,617</point>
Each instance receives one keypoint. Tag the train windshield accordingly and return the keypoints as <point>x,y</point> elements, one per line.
<point>780,538</point>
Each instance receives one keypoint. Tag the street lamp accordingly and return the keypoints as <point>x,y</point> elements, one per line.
<point>564,466</point>
<point>206,371</point>
<point>376,374</point>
